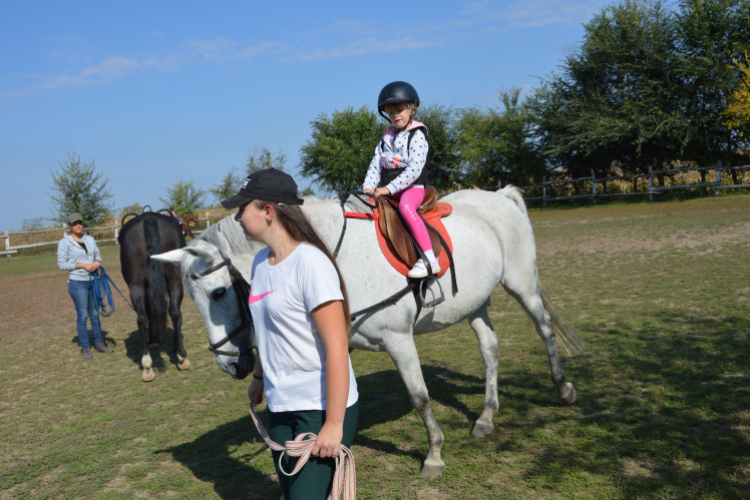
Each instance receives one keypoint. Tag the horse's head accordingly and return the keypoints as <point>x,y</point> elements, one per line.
<point>221,295</point>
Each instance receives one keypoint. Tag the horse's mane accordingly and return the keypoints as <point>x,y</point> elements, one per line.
<point>228,237</point>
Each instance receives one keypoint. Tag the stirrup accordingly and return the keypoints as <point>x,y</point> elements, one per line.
<point>423,292</point>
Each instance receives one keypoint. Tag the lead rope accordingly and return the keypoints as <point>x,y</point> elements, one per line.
<point>345,477</point>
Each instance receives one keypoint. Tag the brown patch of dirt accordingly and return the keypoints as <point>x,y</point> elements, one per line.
<point>638,469</point>
<point>430,494</point>
<point>612,243</point>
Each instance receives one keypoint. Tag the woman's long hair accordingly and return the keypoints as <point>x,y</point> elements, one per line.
<point>294,221</point>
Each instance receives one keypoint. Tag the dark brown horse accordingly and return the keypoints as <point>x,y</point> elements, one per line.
<point>150,282</point>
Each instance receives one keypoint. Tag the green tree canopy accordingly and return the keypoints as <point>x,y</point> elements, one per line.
<point>498,144</point>
<point>78,187</point>
<point>263,160</point>
<point>228,186</point>
<point>184,197</point>
<point>341,148</point>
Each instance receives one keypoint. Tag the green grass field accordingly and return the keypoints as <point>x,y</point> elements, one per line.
<point>660,292</point>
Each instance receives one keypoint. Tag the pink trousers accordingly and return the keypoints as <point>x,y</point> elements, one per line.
<point>409,201</point>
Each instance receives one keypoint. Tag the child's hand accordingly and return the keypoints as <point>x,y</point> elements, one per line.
<point>383,191</point>
<point>369,191</point>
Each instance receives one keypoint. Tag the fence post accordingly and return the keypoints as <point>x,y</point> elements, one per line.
<point>593,185</point>
<point>7,243</point>
<point>499,185</point>
<point>208,220</point>
<point>117,242</point>
<point>718,176</point>
<point>544,190</point>
<point>650,184</point>
<point>63,228</point>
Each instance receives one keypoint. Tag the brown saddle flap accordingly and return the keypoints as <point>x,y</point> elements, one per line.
<point>392,227</point>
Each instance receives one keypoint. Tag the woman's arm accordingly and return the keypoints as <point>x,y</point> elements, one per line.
<point>329,318</point>
<point>62,257</point>
<point>255,391</point>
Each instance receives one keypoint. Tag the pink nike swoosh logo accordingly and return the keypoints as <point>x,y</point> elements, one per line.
<point>255,298</point>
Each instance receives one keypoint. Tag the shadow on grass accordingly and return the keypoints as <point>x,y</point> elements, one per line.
<point>108,341</point>
<point>669,421</point>
<point>134,351</point>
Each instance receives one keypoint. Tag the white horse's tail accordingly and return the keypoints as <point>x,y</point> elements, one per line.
<point>567,338</point>
<point>514,194</point>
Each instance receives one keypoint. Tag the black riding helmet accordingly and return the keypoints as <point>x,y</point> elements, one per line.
<point>396,92</point>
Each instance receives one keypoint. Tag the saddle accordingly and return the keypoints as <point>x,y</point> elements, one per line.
<point>392,227</point>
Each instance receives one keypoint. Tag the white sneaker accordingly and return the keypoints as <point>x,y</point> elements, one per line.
<point>420,269</point>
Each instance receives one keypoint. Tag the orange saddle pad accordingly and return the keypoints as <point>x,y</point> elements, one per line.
<point>432,218</point>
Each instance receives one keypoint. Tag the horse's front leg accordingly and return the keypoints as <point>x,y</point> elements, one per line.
<point>480,323</point>
<point>403,352</point>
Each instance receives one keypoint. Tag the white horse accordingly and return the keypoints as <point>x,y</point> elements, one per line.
<point>493,242</point>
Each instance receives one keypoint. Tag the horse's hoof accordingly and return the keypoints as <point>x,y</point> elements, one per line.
<point>148,375</point>
<point>568,393</point>
<point>481,430</point>
<point>184,364</point>
<point>430,471</point>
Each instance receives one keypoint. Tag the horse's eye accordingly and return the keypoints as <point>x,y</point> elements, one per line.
<point>218,293</point>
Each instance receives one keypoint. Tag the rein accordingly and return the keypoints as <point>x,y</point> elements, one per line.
<point>345,477</point>
<point>242,292</point>
<point>99,287</point>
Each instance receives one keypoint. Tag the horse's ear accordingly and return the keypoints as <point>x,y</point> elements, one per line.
<point>173,256</point>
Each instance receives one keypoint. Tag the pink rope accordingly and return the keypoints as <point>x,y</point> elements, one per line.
<point>344,479</point>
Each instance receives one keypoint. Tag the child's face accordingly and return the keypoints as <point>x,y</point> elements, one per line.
<point>399,114</point>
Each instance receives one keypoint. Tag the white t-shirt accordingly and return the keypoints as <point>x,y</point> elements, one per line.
<point>291,349</point>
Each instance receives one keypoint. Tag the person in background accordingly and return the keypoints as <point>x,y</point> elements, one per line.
<point>78,254</point>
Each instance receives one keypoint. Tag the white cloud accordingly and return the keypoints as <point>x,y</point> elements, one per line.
<point>264,48</point>
<point>112,68</point>
<point>364,46</point>
<point>216,49</point>
<point>159,34</point>
<point>535,13</point>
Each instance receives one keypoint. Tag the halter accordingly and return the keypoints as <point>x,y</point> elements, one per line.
<point>242,292</point>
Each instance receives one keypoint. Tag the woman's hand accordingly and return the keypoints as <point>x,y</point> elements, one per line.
<point>255,392</point>
<point>383,191</point>
<point>329,441</point>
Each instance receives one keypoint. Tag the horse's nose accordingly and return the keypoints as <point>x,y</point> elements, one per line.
<point>240,369</point>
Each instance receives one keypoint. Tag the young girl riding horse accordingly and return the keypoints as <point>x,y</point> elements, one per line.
<point>400,165</point>
<point>300,311</point>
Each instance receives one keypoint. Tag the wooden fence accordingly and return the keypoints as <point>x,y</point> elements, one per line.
<point>110,233</point>
<point>28,239</point>
<point>651,190</point>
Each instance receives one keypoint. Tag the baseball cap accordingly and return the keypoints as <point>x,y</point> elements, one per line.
<point>267,185</point>
<point>74,217</point>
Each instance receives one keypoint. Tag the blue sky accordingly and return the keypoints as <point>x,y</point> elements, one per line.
<point>157,90</point>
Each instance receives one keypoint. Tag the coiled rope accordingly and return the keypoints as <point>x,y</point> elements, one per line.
<point>345,477</point>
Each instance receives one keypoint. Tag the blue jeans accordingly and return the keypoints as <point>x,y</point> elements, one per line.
<point>84,301</point>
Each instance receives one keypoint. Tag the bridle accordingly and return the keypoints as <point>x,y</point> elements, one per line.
<point>242,292</point>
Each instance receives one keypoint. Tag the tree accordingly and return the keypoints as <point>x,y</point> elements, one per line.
<point>307,192</point>
<point>263,160</point>
<point>445,164</point>
<point>31,224</point>
<point>498,144</point>
<point>228,186</point>
<point>184,197</point>
<point>78,187</point>
<point>135,208</point>
<point>738,111</point>
<point>341,148</point>
<point>618,98</point>
<point>713,34</point>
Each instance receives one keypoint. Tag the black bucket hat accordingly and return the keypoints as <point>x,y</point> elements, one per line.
<point>267,185</point>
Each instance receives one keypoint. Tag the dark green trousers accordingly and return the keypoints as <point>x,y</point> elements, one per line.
<point>315,479</point>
